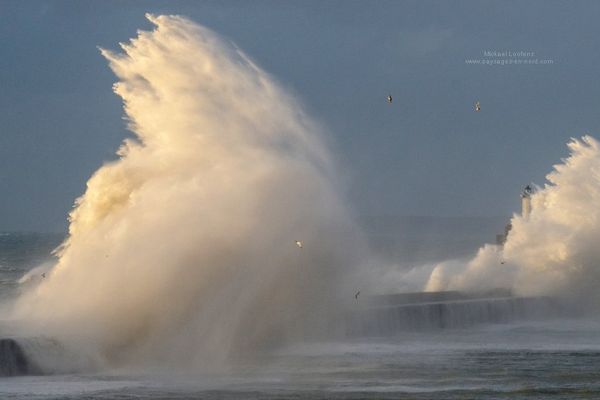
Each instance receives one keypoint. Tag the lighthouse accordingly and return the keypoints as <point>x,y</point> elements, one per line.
<point>526,194</point>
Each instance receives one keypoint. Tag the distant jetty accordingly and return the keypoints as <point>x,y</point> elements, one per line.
<point>391,314</point>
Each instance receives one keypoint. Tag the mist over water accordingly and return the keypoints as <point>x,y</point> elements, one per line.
<point>182,252</point>
<point>553,251</point>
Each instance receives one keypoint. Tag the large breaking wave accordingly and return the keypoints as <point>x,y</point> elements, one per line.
<point>183,250</point>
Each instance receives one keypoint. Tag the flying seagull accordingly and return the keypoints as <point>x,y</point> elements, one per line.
<point>477,106</point>
<point>389,99</point>
<point>356,295</point>
<point>299,243</point>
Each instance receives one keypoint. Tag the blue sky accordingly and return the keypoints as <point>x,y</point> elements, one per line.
<point>428,153</point>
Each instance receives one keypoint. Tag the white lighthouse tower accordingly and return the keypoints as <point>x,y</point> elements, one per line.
<point>526,194</point>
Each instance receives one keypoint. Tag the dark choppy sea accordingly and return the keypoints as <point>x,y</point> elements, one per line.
<point>19,253</point>
<point>526,360</point>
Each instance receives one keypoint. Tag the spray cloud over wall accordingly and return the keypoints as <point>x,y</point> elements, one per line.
<point>183,250</point>
<point>554,250</point>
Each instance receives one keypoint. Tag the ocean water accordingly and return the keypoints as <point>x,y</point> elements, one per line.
<point>19,253</point>
<point>520,362</point>
<point>555,358</point>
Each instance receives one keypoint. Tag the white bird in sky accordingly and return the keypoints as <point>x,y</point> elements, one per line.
<point>389,98</point>
<point>299,243</point>
<point>477,106</point>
